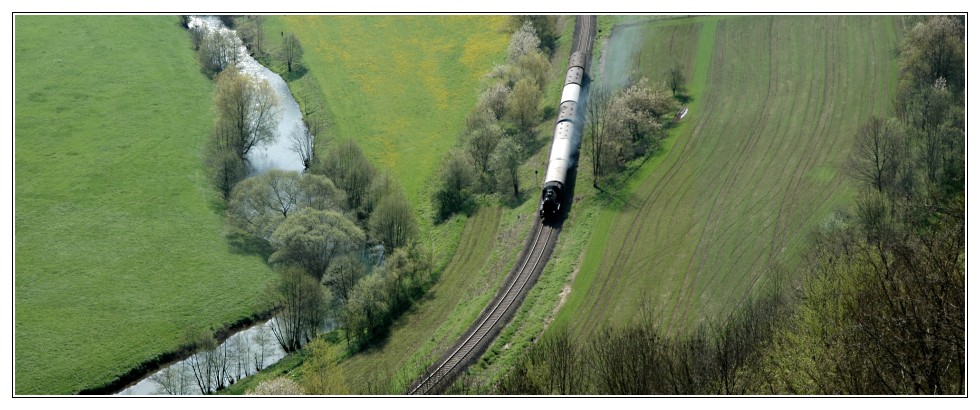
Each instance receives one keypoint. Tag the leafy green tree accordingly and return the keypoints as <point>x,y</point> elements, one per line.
<point>350,170</point>
<point>494,99</point>
<point>534,66</point>
<point>321,375</point>
<point>636,117</point>
<point>545,28</point>
<point>311,238</point>
<point>506,162</point>
<point>483,134</point>
<point>522,105</point>
<point>393,223</point>
<point>248,111</point>
<point>319,192</point>
<point>224,168</point>
<point>366,314</point>
<point>456,179</point>
<point>260,203</point>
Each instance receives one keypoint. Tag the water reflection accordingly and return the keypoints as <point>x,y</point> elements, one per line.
<point>242,354</point>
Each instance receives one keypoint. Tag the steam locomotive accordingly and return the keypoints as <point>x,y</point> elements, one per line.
<point>564,144</point>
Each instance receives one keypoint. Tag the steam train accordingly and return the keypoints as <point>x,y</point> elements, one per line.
<point>565,143</point>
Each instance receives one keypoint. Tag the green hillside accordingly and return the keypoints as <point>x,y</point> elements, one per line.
<point>756,163</point>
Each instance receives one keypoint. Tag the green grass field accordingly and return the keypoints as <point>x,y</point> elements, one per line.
<point>118,246</point>
<point>756,164</point>
<point>401,86</point>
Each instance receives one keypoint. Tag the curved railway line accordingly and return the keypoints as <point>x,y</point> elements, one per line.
<point>530,263</point>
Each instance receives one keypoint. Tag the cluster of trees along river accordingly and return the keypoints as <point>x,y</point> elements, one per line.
<point>339,234</point>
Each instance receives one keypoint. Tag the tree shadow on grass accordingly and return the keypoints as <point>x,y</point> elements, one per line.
<point>299,70</point>
<point>242,243</point>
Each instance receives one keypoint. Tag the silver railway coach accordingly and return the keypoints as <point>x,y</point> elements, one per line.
<point>563,143</point>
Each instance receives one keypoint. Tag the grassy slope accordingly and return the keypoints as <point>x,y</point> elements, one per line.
<point>118,249</point>
<point>401,85</point>
<point>757,163</point>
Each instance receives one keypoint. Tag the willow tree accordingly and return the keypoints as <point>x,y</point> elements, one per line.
<point>311,238</point>
<point>248,111</point>
<point>393,223</point>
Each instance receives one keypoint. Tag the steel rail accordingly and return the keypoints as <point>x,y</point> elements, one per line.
<point>496,313</point>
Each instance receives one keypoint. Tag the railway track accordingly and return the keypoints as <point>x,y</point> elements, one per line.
<point>536,252</point>
<point>522,277</point>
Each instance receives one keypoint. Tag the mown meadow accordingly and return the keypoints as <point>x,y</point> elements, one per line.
<point>119,244</point>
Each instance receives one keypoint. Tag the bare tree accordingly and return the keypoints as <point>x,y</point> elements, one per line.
<point>210,364</point>
<point>302,142</point>
<point>343,273</point>
<point>262,343</point>
<point>174,380</point>
<point>596,121</point>
<point>197,36</point>
<point>563,360</point>
<point>252,35</point>
<point>877,153</point>
<point>676,79</point>
<point>303,304</point>
<point>305,139</point>
<point>292,51</point>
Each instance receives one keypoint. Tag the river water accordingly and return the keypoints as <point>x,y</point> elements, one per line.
<point>254,348</point>
<point>278,154</point>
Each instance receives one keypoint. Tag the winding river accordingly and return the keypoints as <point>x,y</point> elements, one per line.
<point>254,348</point>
